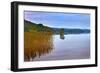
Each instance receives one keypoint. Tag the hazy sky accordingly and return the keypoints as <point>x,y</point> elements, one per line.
<point>59,20</point>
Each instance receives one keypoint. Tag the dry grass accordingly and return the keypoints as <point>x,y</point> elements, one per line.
<point>37,44</point>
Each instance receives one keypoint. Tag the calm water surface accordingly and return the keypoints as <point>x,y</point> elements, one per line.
<point>72,46</point>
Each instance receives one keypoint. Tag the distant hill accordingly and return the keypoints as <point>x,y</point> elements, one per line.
<point>71,31</point>
<point>30,26</point>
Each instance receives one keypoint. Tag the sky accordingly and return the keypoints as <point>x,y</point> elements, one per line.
<point>59,19</point>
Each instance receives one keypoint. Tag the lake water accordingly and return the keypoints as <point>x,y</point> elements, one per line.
<point>72,46</point>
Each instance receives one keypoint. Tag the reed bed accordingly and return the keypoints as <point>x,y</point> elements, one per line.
<point>37,44</point>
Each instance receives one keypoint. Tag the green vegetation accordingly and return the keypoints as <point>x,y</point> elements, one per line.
<point>38,38</point>
<point>31,27</point>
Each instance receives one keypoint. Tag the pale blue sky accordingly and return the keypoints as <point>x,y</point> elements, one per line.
<point>58,19</point>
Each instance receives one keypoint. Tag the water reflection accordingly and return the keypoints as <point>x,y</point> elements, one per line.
<point>37,44</point>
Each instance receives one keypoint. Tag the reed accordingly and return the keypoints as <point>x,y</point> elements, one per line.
<point>37,44</point>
